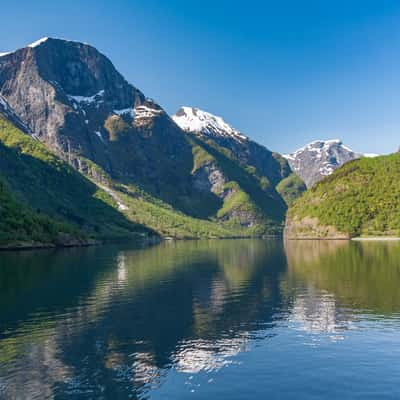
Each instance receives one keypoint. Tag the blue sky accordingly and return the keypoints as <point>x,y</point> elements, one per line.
<point>283,72</point>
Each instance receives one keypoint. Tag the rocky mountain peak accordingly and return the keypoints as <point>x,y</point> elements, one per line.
<point>76,102</point>
<point>319,158</point>
<point>65,91</point>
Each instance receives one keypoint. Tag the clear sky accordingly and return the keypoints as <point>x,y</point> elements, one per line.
<point>282,72</point>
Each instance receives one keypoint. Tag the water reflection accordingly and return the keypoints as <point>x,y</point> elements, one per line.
<point>115,322</point>
<point>361,275</point>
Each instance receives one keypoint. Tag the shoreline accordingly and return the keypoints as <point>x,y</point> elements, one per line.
<point>150,241</point>
<point>376,239</point>
<point>22,246</point>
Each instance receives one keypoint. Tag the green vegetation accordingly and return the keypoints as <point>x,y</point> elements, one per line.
<point>365,275</point>
<point>168,222</point>
<point>291,188</point>
<point>200,157</point>
<point>20,225</point>
<point>50,187</point>
<point>362,198</point>
<point>252,193</point>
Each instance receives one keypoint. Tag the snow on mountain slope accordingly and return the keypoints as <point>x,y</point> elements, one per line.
<point>194,120</point>
<point>319,158</point>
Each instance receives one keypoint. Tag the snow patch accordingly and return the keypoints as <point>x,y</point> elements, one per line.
<point>38,42</point>
<point>4,103</point>
<point>96,98</point>
<point>194,120</point>
<point>146,112</point>
<point>98,133</point>
<point>124,111</point>
<point>321,147</point>
<point>370,155</point>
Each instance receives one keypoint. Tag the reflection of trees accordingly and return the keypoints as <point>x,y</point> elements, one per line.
<point>124,316</point>
<point>363,275</point>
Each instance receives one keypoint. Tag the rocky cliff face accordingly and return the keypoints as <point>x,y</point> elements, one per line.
<point>319,159</point>
<point>8,113</point>
<point>311,228</point>
<point>76,102</point>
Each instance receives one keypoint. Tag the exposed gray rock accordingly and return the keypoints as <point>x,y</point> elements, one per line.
<point>79,105</point>
<point>8,113</point>
<point>208,178</point>
<point>319,159</point>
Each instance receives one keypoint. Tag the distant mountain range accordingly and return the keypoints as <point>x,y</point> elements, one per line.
<point>320,158</point>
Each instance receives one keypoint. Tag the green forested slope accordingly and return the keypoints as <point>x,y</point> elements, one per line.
<point>360,198</point>
<point>46,185</point>
<point>291,188</point>
<point>21,226</point>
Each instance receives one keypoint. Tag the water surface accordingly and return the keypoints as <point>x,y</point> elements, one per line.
<point>228,319</point>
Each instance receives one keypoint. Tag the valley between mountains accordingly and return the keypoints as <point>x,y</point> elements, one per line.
<point>86,157</point>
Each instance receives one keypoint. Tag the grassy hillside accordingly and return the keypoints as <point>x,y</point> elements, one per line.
<point>291,188</point>
<point>20,226</point>
<point>362,198</point>
<point>252,194</point>
<point>48,186</point>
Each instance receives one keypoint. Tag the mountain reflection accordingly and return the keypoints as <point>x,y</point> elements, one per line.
<point>362,276</point>
<point>111,322</point>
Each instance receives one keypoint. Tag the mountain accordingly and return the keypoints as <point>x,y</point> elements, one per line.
<point>319,159</point>
<point>361,198</point>
<point>209,127</point>
<point>70,98</point>
<point>213,130</point>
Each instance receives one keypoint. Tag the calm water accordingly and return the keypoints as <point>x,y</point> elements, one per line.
<point>244,319</point>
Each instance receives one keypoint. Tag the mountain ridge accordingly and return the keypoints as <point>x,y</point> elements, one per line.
<point>73,100</point>
<point>320,158</point>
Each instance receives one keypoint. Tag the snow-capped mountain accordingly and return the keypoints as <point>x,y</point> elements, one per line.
<point>319,159</point>
<point>194,120</point>
<point>211,127</point>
